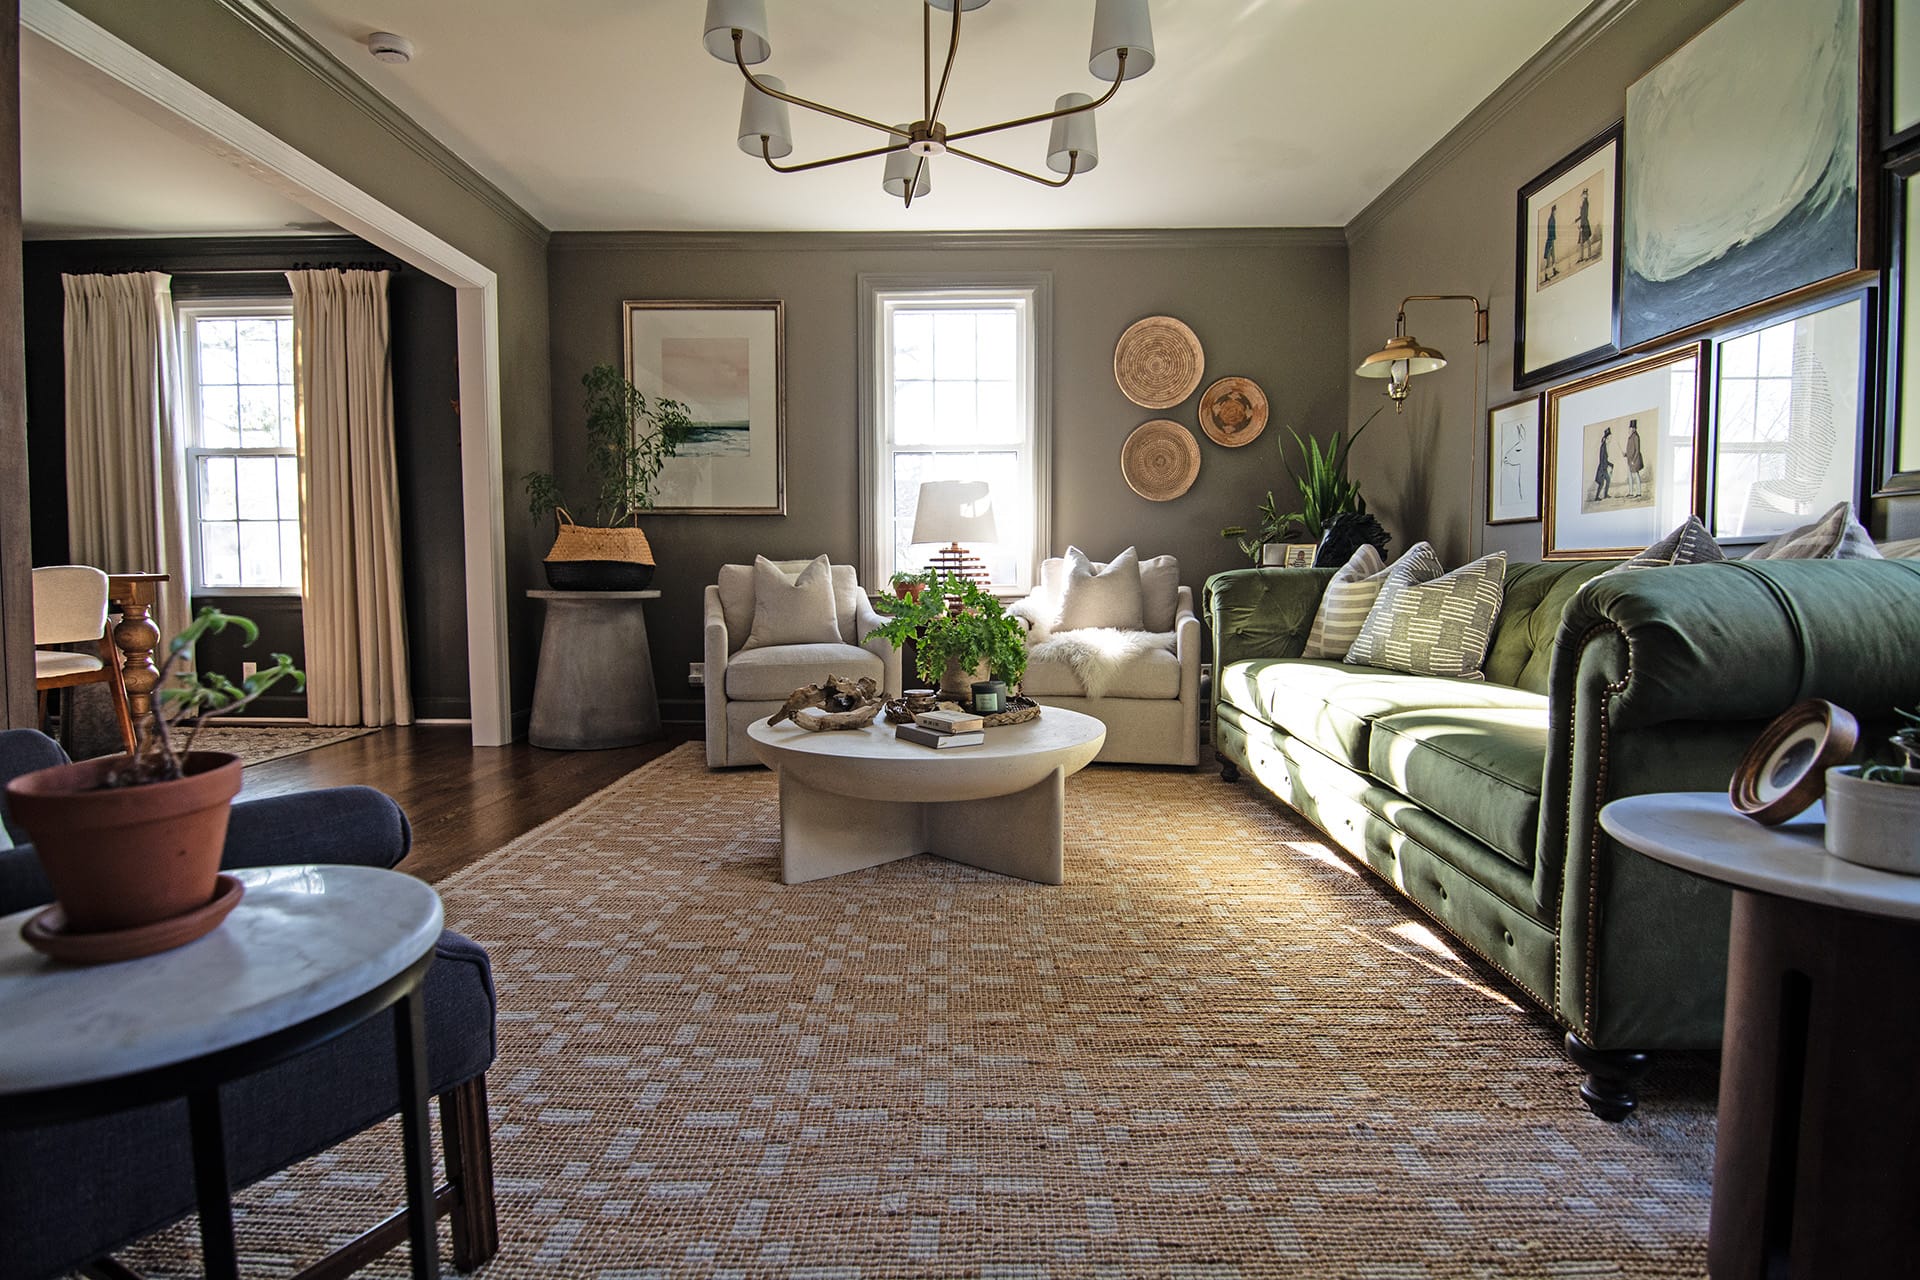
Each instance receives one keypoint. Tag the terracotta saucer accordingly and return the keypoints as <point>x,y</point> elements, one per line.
<point>46,931</point>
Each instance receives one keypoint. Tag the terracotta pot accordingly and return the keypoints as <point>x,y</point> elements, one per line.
<point>909,590</point>
<point>129,856</point>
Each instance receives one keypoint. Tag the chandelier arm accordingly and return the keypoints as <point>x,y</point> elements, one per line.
<point>1073,165</point>
<point>946,74</point>
<point>783,96</point>
<point>767,155</point>
<point>926,62</point>
<point>1101,101</point>
<point>913,185</point>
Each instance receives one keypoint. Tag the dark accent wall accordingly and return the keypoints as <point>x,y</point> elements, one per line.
<point>426,382</point>
<point>1270,305</point>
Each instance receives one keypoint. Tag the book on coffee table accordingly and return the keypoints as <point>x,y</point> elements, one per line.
<point>948,720</point>
<point>937,739</point>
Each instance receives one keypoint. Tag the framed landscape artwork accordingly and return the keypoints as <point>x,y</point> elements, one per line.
<point>1567,286</point>
<point>1742,174</point>
<point>1513,462</point>
<point>726,361</point>
<point>1790,399</point>
<point>1623,466</point>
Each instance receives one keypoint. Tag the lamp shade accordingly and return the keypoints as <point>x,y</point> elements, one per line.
<point>1073,133</point>
<point>1400,359</point>
<point>1117,25</point>
<point>749,17</point>
<point>762,116</point>
<point>900,167</point>
<point>966,6</point>
<point>954,511</point>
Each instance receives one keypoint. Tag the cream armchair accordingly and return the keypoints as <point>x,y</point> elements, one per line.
<point>747,685</point>
<point>1146,687</point>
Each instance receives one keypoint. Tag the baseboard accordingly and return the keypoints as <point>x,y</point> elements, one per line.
<point>683,711</point>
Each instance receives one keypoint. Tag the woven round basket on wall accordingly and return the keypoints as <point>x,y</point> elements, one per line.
<point>1157,362</point>
<point>1160,460</point>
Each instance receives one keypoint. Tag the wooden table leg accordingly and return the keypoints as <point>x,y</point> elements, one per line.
<point>137,636</point>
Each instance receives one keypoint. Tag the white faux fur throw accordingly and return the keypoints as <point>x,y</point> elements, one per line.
<point>1096,655</point>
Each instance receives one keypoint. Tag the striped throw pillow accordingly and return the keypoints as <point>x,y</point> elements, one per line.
<point>1834,536</point>
<point>1689,544</point>
<point>1350,595</point>
<point>1431,623</point>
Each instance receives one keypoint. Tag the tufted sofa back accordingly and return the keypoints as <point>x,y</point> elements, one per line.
<point>1521,653</point>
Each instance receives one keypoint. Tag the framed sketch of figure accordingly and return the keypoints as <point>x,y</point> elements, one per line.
<point>1567,288</point>
<point>1513,462</point>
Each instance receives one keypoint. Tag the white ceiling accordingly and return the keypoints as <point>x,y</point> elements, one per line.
<point>92,166</point>
<point>608,114</point>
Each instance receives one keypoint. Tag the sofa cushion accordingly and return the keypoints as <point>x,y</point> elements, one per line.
<point>1479,768</point>
<point>1332,705</point>
<point>771,673</point>
<point>1151,673</point>
<point>1836,535</point>
<point>1344,608</point>
<point>736,599</point>
<point>1433,623</point>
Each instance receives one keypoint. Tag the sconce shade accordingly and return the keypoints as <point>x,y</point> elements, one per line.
<point>1403,351</point>
<point>900,167</point>
<point>761,115</point>
<point>750,16</point>
<point>1117,25</point>
<point>954,511</point>
<point>1073,133</point>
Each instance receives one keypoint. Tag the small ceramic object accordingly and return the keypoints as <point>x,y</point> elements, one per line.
<point>1873,823</point>
<point>989,697</point>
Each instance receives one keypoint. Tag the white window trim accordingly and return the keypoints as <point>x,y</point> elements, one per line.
<point>1035,289</point>
<point>185,316</point>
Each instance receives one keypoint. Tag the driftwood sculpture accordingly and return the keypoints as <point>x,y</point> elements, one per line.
<point>845,704</point>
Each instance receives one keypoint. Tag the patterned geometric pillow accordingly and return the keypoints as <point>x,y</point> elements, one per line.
<point>1834,536</point>
<point>1433,624</point>
<point>1350,596</point>
<point>1689,544</point>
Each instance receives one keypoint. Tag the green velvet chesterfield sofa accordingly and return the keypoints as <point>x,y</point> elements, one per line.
<point>1480,801</point>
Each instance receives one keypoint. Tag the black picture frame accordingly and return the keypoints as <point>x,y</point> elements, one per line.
<point>1899,322</point>
<point>1899,116</point>
<point>1525,376</point>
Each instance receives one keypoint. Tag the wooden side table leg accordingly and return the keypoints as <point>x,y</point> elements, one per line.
<point>410,1047</point>
<point>211,1188</point>
<point>136,636</point>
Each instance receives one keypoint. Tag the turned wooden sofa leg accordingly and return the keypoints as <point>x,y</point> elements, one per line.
<point>467,1134</point>
<point>1229,771</point>
<point>1612,1076</point>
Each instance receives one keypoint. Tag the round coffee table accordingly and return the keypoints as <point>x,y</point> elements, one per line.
<point>855,798</point>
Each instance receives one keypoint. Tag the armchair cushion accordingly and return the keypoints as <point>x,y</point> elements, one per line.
<point>735,585</point>
<point>792,608</point>
<point>769,674</point>
<point>1099,662</point>
<point>1108,595</point>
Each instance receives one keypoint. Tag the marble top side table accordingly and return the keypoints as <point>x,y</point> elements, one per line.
<point>310,953</point>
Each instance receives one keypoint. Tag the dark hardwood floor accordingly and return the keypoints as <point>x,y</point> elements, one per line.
<point>464,801</point>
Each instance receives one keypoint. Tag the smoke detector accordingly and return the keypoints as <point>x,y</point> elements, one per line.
<point>388,47</point>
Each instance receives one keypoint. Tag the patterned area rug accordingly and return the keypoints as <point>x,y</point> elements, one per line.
<point>1217,1051</point>
<point>257,744</point>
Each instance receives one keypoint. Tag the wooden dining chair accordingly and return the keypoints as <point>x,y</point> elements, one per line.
<point>69,607</point>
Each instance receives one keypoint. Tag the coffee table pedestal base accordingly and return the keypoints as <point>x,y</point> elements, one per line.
<point>824,834</point>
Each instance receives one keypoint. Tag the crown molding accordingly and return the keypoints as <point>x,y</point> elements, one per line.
<point>1572,40</point>
<point>314,58</point>
<point>921,241</point>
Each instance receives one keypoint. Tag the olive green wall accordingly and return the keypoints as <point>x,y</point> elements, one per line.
<point>1267,304</point>
<point>219,49</point>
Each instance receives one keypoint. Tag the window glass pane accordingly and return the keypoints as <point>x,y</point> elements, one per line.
<point>219,417</point>
<point>259,352</point>
<point>258,488</point>
<point>260,553</point>
<point>1772,396</point>
<point>217,351</point>
<point>288,471</point>
<point>953,338</point>
<point>913,413</point>
<point>953,412</point>
<point>1736,409</point>
<point>216,489</point>
<point>220,554</point>
<point>290,554</point>
<point>260,417</point>
<point>995,421</point>
<point>1739,358</point>
<point>288,438</point>
<point>912,344</point>
<point>1776,351</point>
<point>998,345</point>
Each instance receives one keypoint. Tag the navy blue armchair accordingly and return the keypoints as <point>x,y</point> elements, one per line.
<point>73,1193</point>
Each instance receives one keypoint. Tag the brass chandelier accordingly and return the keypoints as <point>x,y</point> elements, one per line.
<point>1122,49</point>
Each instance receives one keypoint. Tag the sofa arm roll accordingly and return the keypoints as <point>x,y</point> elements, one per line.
<point>356,826</point>
<point>1262,613</point>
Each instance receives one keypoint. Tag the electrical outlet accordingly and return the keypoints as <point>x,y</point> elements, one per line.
<point>247,669</point>
<point>696,673</point>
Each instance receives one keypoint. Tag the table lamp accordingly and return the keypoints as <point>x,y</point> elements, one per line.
<point>953,512</point>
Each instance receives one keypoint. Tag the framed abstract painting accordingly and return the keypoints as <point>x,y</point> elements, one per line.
<point>1567,284</point>
<point>1742,179</point>
<point>726,361</point>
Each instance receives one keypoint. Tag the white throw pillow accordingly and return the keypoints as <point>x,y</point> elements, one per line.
<point>793,608</point>
<point>1834,536</point>
<point>1159,591</point>
<point>1430,623</point>
<point>1344,608</point>
<point>1095,596</point>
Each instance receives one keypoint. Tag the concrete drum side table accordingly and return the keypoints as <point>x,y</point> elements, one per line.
<point>594,688</point>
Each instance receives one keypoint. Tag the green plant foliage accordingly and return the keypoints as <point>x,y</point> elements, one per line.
<point>1906,741</point>
<point>982,631</point>
<point>1325,491</point>
<point>629,438</point>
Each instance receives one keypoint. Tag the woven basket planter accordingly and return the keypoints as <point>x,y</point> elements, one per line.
<point>585,558</point>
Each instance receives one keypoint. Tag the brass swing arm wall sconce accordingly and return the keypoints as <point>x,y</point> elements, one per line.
<point>1122,49</point>
<point>1404,356</point>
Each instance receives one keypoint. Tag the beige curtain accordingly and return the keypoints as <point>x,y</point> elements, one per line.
<point>126,497</point>
<point>356,659</point>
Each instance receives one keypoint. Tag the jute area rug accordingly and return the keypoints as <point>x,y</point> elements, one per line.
<point>257,744</point>
<point>1217,1051</point>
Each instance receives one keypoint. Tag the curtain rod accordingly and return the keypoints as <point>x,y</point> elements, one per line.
<point>394,267</point>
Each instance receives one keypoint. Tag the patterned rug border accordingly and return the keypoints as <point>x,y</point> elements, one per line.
<point>327,735</point>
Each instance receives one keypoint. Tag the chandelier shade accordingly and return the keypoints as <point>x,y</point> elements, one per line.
<point>902,163</point>
<point>1073,146</point>
<point>1121,25</point>
<point>749,18</point>
<point>762,117</point>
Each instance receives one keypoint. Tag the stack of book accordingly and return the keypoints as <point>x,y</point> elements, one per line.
<point>943,728</point>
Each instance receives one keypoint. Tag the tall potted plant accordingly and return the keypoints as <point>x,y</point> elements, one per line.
<point>129,840</point>
<point>629,438</point>
<point>1325,488</point>
<point>959,630</point>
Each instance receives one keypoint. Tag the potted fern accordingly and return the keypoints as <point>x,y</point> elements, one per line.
<point>129,840</point>
<point>1326,491</point>
<point>960,632</point>
<point>1873,811</point>
<point>629,439</point>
